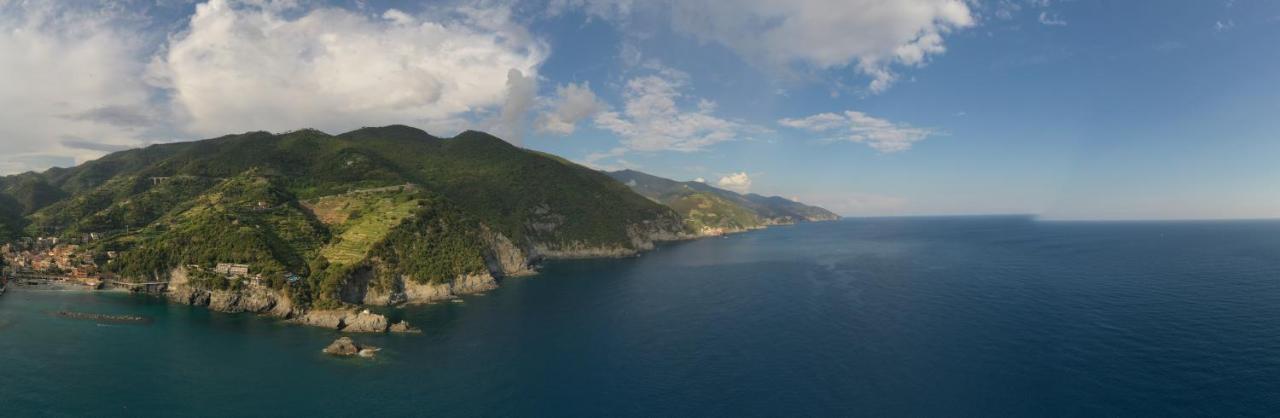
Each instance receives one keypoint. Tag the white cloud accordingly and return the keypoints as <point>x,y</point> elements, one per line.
<point>69,85</point>
<point>653,120</point>
<point>573,103</point>
<point>1224,25</point>
<point>817,123</point>
<point>80,79</point>
<point>870,36</point>
<point>880,134</point>
<point>398,17</point>
<point>521,91</point>
<point>596,160</point>
<point>239,66</point>
<point>1051,20</point>
<point>700,180</point>
<point>739,182</point>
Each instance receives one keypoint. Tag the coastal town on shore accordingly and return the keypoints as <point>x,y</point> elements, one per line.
<point>53,263</point>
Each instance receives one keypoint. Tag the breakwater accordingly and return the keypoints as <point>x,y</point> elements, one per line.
<point>120,319</point>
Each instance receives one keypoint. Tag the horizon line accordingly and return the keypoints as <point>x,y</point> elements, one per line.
<point>1042,218</point>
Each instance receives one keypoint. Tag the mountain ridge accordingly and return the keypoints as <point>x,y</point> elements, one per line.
<point>716,211</point>
<point>308,226</point>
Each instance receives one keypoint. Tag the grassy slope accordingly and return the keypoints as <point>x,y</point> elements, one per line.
<point>245,219</point>
<point>705,210</point>
<point>359,221</point>
<point>504,186</point>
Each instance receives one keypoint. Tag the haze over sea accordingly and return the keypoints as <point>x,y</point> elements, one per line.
<point>872,317</point>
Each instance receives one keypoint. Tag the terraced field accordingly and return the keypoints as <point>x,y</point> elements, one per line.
<point>359,220</point>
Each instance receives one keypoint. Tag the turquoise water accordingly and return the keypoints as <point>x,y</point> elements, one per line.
<point>866,317</point>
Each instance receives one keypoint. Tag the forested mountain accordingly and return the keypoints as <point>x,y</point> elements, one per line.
<point>708,208</point>
<point>304,220</point>
<point>374,208</point>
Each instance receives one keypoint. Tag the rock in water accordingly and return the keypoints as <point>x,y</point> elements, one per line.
<point>365,321</point>
<point>345,320</point>
<point>403,327</point>
<point>346,347</point>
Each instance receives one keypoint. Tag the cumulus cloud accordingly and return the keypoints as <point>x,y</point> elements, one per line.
<point>521,90</point>
<point>572,103</point>
<point>880,134</point>
<point>652,119</point>
<point>244,65</point>
<point>80,79</point>
<point>869,36</point>
<point>739,182</point>
<point>68,74</point>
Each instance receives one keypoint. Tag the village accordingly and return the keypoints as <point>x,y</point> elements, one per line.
<point>52,263</point>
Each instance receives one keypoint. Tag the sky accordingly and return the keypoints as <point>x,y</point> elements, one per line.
<point>1159,109</point>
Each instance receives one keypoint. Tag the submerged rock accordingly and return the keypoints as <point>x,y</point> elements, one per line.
<point>347,347</point>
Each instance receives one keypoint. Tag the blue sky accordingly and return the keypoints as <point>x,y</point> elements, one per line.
<point>1065,109</point>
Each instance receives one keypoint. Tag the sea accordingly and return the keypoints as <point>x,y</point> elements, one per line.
<point>878,317</point>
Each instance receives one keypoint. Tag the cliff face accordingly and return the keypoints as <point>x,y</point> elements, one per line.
<point>257,300</point>
<point>274,303</point>
<point>405,290</point>
<point>504,258</point>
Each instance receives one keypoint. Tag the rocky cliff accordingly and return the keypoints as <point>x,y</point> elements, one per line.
<point>265,301</point>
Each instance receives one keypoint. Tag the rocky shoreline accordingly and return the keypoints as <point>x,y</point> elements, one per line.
<point>504,260</point>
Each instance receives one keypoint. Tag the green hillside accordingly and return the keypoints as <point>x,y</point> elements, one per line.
<point>706,211</point>
<point>394,200</point>
<point>704,206</point>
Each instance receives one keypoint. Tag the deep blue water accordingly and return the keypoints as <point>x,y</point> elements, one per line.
<point>865,317</point>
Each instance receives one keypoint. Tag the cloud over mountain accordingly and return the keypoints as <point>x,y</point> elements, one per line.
<point>572,104</point>
<point>739,182</point>
<point>240,65</point>
<point>81,78</point>
<point>67,74</point>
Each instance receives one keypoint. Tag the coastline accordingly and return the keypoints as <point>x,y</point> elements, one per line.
<point>508,261</point>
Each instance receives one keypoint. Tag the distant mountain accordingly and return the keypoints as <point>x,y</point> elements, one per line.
<point>373,216</point>
<point>714,210</point>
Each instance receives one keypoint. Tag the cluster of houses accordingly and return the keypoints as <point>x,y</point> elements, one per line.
<point>52,258</point>
<point>240,272</point>
<point>46,255</point>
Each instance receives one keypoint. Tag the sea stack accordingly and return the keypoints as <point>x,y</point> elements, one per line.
<point>347,347</point>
